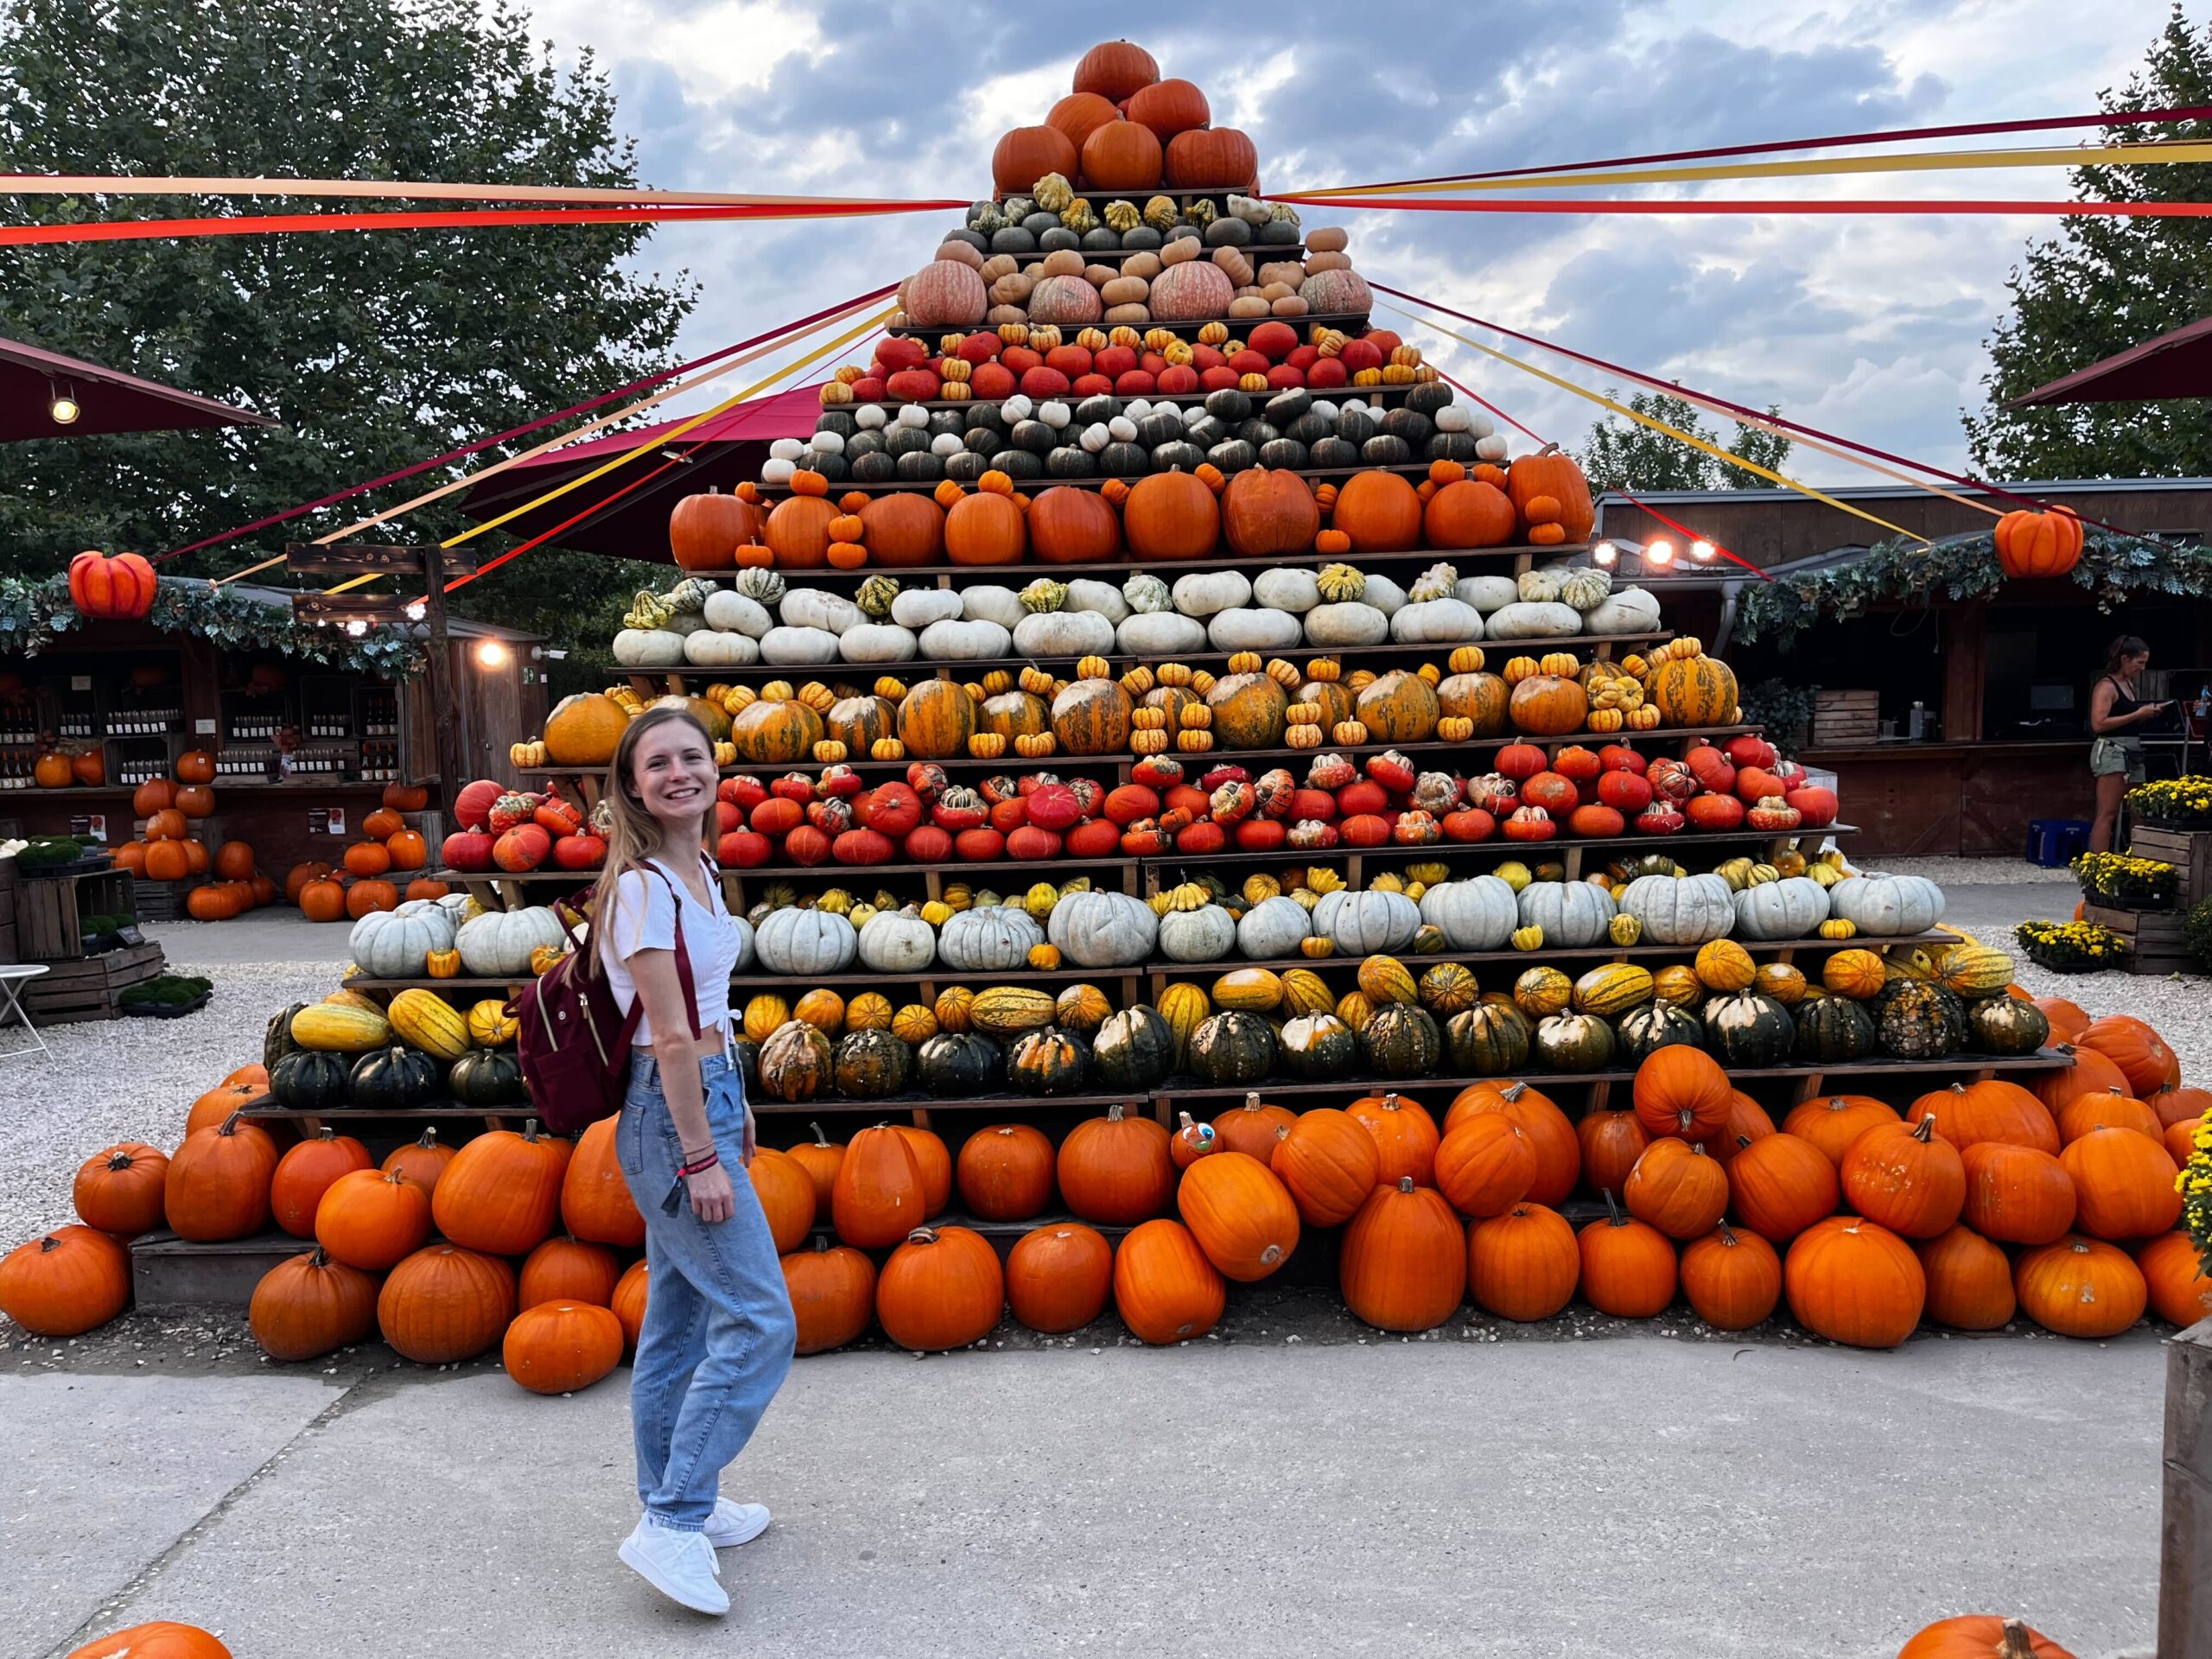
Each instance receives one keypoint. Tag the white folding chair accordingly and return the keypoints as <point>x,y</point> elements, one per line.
<point>12,980</point>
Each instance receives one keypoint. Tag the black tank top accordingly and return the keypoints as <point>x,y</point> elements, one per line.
<point>2121,702</point>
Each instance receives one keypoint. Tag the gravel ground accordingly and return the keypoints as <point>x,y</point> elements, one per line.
<point>1947,873</point>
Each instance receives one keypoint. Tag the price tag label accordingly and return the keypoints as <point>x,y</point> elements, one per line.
<point>80,682</point>
<point>203,728</point>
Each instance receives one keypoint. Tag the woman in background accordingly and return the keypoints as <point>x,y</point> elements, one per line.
<point>2117,716</point>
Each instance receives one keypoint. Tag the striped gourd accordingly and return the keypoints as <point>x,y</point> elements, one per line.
<point>1447,988</point>
<point>337,1027</point>
<point>490,1025</point>
<point>1008,1010</point>
<point>1305,991</point>
<point>426,1020</point>
<point>765,1015</point>
<point>1541,992</point>
<point>1185,1007</point>
<point>1255,990</point>
<point>1356,1008</point>
<point>1723,965</point>
<point>1678,987</point>
<point>1693,691</point>
<point>1612,990</point>
<point>1385,979</point>
<point>1975,971</point>
<point>360,1000</point>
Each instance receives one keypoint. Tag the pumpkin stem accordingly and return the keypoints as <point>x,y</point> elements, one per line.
<point>1924,1131</point>
<point>820,1139</point>
<point>2015,1644</point>
<point>1614,1218</point>
<point>118,1160</point>
<point>922,1236</point>
<point>1252,1101</point>
<point>429,1137</point>
<point>1405,1183</point>
<point>1114,1113</point>
<point>1727,1234</point>
<point>1512,1091</point>
<point>229,1125</point>
<point>48,1245</point>
<point>1389,1101</point>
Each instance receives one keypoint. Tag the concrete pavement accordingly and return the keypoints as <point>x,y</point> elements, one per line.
<point>1669,1498</point>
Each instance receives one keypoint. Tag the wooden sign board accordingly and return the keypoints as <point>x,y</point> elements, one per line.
<point>362,558</point>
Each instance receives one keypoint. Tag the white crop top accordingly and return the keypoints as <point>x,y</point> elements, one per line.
<point>644,920</point>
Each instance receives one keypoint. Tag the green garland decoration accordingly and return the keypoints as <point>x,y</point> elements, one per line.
<point>35,615</point>
<point>2114,567</point>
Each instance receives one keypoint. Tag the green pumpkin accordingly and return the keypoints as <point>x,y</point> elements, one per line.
<point>2006,1025</point>
<point>956,1063</point>
<point>1050,1060</point>
<point>1133,1049</point>
<point>1488,1040</point>
<point>395,1079</point>
<point>1643,1031</point>
<point>1574,1042</point>
<point>1832,1029</point>
<point>1401,1040</point>
<point>748,1064</point>
<point>1918,1020</point>
<point>870,1065</point>
<point>1232,1048</point>
<point>1317,1047</point>
<point>276,1038</point>
<point>488,1077</point>
<point>797,1062</point>
<point>305,1080</point>
<point>1745,1029</point>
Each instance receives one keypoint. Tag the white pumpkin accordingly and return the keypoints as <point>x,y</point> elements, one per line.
<point>1540,586</point>
<point>1791,908</point>
<point>1364,923</point>
<point>993,604</point>
<point>1352,623</point>
<point>878,642</point>
<point>497,945</point>
<point>1063,633</point>
<point>805,645</point>
<point>917,607</point>
<point>1533,620</point>
<point>990,939</point>
<point>649,648</point>
<point>1103,928</point>
<point>1686,910</point>
<point>1206,934</point>
<point>805,942</point>
<point>1246,629</point>
<point>809,608</point>
<point>1631,610</point>
<point>396,944</point>
<point>1288,590</point>
<point>1476,914</point>
<point>897,942</point>
<point>1084,594</point>
<point>1436,621</point>
<point>733,612</point>
<point>762,586</point>
<point>1203,594</point>
<point>1384,595</point>
<point>1887,907</point>
<point>1586,587</point>
<point>1486,593</point>
<point>1147,593</point>
<point>1491,447</point>
<point>970,639</point>
<point>686,623</point>
<point>1571,913</point>
<point>704,648</point>
<point>1273,929</point>
<point>1161,633</point>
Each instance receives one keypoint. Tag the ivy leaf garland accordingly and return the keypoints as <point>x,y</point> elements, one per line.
<point>2113,568</point>
<point>33,615</point>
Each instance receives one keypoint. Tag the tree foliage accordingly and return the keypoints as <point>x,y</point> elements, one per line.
<point>1624,454</point>
<point>374,350</point>
<point>2104,284</point>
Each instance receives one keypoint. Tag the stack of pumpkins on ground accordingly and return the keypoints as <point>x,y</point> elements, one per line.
<point>1188,510</point>
<point>515,831</point>
<point>168,848</point>
<point>368,878</point>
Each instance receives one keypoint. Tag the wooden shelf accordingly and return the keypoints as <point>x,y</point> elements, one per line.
<point>1527,851</point>
<point>1349,322</point>
<point>1167,570</point>
<point>1412,470</point>
<point>1273,250</point>
<point>1369,395</point>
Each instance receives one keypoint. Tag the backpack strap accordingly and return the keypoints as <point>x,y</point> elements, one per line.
<point>683,963</point>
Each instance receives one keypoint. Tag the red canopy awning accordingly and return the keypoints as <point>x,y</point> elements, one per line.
<point>2175,364</point>
<point>107,400</point>
<point>730,448</point>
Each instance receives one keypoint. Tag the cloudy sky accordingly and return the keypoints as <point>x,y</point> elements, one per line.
<point>1867,326</point>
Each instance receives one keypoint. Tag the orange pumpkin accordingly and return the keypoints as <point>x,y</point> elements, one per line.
<point>1078,114</point>
<point>1070,526</point>
<point>195,766</point>
<point>985,528</point>
<point>195,800</point>
<point>1468,514</point>
<point>382,824</point>
<point>2038,543</point>
<point>1269,512</point>
<point>1553,473</point>
<point>1119,156</point>
<point>167,825</point>
<point>798,533</point>
<point>937,718</point>
<point>903,529</point>
<point>704,531</point>
<point>1026,155</point>
<point>1379,511</point>
<point>166,861</point>
<point>1171,516</point>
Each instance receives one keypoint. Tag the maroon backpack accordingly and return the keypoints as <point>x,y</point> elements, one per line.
<point>574,1041</point>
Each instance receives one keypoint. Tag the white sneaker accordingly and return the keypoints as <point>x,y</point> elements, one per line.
<point>734,1523</point>
<point>680,1565</point>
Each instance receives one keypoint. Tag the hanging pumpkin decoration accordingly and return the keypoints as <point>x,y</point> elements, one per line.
<point>2038,543</point>
<point>118,587</point>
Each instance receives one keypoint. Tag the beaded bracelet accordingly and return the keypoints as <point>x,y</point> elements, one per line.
<point>700,1168</point>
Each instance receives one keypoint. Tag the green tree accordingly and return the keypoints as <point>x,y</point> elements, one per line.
<point>1624,454</point>
<point>2104,284</point>
<point>374,349</point>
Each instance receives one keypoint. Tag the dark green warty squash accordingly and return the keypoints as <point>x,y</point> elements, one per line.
<point>1401,1040</point>
<point>956,1063</point>
<point>305,1080</point>
<point>276,1038</point>
<point>1745,1029</point>
<point>870,1065</point>
<point>1655,1025</point>
<point>797,1062</point>
<point>1918,1020</point>
<point>1319,1046</point>
<point>2006,1025</point>
<point>1831,1029</point>
<point>1050,1061</point>
<point>1489,1039</point>
<point>1574,1042</point>
<point>1133,1049</point>
<point>1232,1048</point>
<point>488,1077</point>
<point>395,1079</point>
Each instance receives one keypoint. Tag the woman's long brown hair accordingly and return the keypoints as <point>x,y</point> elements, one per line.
<point>635,834</point>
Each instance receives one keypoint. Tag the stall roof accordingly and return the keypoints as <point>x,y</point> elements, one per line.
<point>110,400</point>
<point>2177,363</point>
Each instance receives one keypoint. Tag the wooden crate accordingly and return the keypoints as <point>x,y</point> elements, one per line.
<point>50,909</point>
<point>2189,851</point>
<point>1843,717</point>
<point>166,1271</point>
<point>9,946</point>
<point>163,901</point>
<point>2153,938</point>
<point>87,989</point>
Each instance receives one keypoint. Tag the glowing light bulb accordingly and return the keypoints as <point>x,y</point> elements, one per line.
<point>1604,553</point>
<point>491,653</point>
<point>64,409</point>
<point>1661,552</point>
<point>1702,551</point>
<point>357,627</point>
<point>415,610</point>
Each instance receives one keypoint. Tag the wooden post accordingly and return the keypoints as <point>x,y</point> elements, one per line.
<point>453,772</point>
<point>2185,1531</point>
<point>1964,662</point>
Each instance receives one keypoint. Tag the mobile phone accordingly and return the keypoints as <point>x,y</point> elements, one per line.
<point>674,1201</point>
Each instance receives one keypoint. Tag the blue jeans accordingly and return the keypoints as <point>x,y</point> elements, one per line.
<point>718,1333</point>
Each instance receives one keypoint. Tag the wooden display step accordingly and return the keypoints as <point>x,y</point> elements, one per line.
<point>88,988</point>
<point>165,901</point>
<point>2153,936</point>
<point>166,1271</point>
<point>1353,323</point>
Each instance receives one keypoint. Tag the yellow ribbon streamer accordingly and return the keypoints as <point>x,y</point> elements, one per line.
<point>1676,433</point>
<point>657,440</point>
<point>2174,151</point>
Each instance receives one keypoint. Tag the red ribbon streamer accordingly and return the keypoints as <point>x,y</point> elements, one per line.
<point>139,229</point>
<point>1909,208</point>
<point>2001,493</point>
<point>1896,135</point>
<point>481,444</point>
